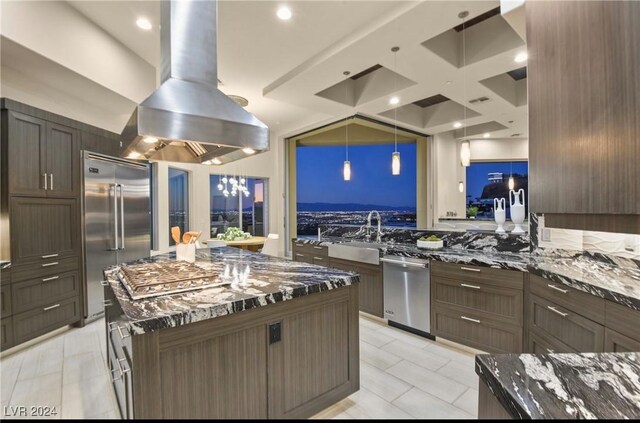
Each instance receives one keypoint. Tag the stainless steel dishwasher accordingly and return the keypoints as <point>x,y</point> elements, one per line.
<point>407,295</point>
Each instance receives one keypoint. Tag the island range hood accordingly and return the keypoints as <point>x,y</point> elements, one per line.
<point>187,119</point>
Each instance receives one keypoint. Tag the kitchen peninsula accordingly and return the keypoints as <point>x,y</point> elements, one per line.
<point>266,338</point>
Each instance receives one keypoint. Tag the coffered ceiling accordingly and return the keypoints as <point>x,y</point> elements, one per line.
<point>284,67</point>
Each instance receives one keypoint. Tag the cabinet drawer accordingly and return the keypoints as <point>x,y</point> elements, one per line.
<point>471,329</point>
<point>579,302</point>
<point>320,260</point>
<point>43,229</point>
<point>490,301</point>
<point>564,325</point>
<point>33,323</point>
<point>121,377</point>
<point>36,292</point>
<point>616,342</point>
<point>305,258</point>
<point>5,300</point>
<point>48,267</point>
<point>460,272</point>
<point>622,319</point>
<point>6,333</point>
<point>317,250</point>
<point>542,344</point>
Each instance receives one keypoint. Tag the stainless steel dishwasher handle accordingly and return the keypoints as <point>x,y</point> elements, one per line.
<point>403,263</point>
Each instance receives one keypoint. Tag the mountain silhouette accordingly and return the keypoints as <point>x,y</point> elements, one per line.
<point>319,207</point>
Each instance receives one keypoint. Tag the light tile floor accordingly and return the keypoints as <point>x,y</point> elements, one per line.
<point>402,376</point>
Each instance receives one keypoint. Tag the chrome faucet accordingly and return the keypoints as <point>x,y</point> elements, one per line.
<point>379,233</point>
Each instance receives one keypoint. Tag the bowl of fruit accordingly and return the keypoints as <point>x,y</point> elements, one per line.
<point>432,242</point>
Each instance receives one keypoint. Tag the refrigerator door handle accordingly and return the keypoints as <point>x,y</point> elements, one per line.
<point>121,216</point>
<point>115,217</point>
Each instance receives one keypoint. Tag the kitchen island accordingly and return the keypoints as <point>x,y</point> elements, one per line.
<point>278,340</point>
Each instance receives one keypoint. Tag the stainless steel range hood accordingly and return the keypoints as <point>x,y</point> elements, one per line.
<point>187,119</point>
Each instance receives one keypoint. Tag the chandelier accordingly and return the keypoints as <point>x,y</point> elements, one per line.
<point>238,186</point>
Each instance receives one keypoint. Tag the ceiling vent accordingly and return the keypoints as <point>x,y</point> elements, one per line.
<point>479,100</point>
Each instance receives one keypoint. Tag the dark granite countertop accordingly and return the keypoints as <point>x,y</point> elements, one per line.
<point>564,386</point>
<point>615,279</point>
<point>257,280</point>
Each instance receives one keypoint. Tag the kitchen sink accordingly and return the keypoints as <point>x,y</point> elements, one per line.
<point>363,252</point>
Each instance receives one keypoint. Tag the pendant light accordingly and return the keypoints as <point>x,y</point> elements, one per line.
<point>346,167</point>
<point>461,186</point>
<point>395,157</point>
<point>512,182</point>
<point>465,147</point>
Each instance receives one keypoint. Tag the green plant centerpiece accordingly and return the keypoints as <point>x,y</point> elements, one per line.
<point>472,212</point>
<point>234,234</point>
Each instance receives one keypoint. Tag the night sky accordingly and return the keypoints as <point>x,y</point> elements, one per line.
<point>477,174</point>
<point>320,175</point>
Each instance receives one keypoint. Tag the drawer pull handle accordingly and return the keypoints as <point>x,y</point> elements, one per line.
<point>122,336</point>
<point>107,303</point>
<point>469,286</point>
<point>299,245</point>
<point>50,256</point>
<point>564,291</point>
<point>318,258</point>
<point>123,370</point>
<point>469,319</point>
<point>318,248</point>
<point>119,370</point>
<point>555,310</point>
<point>52,278</point>
<point>549,350</point>
<point>55,263</point>
<point>299,255</point>
<point>51,307</point>
<point>104,283</point>
<point>469,269</point>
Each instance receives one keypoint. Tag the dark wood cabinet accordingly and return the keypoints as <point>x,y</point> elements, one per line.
<point>46,318</point>
<point>5,300</point>
<point>109,145</point>
<point>43,290</point>
<point>6,333</point>
<point>540,343</point>
<point>584,122</point>
<point>228,368</point>
<point>44,230</point>
<point>63,161</point>
<point>477,306</point>
<point>371,286</point>
<point>26,167</point>
<point>617,342</point>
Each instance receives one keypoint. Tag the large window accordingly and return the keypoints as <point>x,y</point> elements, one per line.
<point>247,212</point>
<point>489,180</point>
<point>178,201</point>
<point>324,197</point>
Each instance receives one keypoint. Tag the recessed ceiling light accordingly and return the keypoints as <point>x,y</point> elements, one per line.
<point>216,161</point>
<point>134,155</point>
<point>486,135</point>
<point>143,23</point>
<point>457,125</point>
<point>448,82</point>
<point>521,57</point>
<point>150,140</point>
<point>394,100</point>
<point>284,13</point>
<point>248,150</point>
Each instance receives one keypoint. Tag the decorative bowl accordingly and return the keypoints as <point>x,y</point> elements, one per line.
<point>431,245</point>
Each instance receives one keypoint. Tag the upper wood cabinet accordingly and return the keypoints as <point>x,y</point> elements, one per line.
<point>584,113</point>
<point>111,146</point>
<point>44,157</point>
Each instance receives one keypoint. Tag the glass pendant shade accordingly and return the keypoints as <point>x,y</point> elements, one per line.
<point>461,186</point>
<point>512,182</point>
<point>346,170</point>
<point>395,163</point>
<point>465,153</point>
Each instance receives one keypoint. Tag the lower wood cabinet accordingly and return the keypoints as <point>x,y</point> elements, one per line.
<point>6,333</point>
<point>371,284</point>
<point>45,290</point>
<point>230,368</point>
<point>45,318</point>
<point>617,342</point>
<point>540,343</point>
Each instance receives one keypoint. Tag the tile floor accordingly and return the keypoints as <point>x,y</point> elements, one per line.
<point>402,376</point>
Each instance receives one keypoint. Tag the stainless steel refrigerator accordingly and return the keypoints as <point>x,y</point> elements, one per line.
<point>117,220</point>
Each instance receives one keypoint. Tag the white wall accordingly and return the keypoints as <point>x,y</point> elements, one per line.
<point>449,172</point>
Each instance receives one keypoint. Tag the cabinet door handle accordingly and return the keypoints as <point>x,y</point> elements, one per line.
<point>123,370</point>
<point>107,303</point>
<point>555,310</point>
<point>469,269</point>
<point>51,307</point>
<point>45,181</point>
<point>469,286</point>
<point>299,245</point>
<point>318,258</point>
<point>299,255</point>
<point>51,181</point>
<point>318,248</point>
<point>54,263</point>
<point>549,350</point>
<point>50,256</point>
<point>469,319</point>
<point>564,291</point>
<point>52,278</point>
<point>119,370</point>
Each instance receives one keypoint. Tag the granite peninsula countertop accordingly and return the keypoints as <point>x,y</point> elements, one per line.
<point>564,386</point>
<point>256,280</point>
<point>612,278</point>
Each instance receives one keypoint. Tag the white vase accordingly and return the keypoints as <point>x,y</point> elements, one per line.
<point>499,213</point>
<point>516,202</point>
